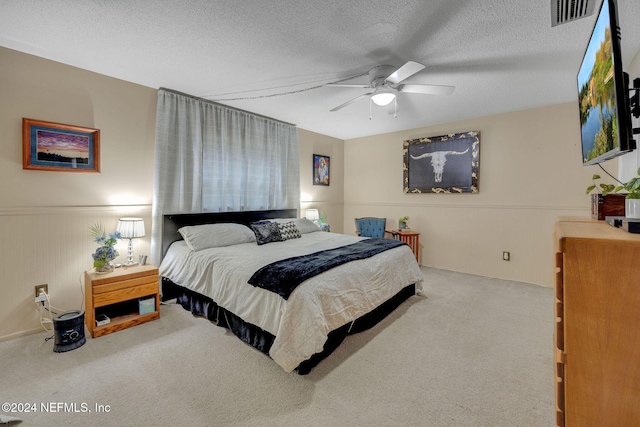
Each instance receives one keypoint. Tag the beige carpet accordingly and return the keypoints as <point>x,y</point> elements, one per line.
<point>471,351</point>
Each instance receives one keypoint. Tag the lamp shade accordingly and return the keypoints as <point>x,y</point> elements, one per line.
<point>130,228</point>
<point>312,214</point>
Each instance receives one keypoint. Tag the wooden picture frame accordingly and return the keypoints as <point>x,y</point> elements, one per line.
<point>442,164</point>
<point>321,170</point>
<point>58,147</point>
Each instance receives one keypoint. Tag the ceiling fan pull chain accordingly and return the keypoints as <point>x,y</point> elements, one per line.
<point>370,101</point>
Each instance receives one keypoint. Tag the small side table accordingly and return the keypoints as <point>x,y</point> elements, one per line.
<point>116,295</point>
<point>411,238</point>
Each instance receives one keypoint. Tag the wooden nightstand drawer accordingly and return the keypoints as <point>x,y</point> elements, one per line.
<point>124,294</point>
<point>124,284</point>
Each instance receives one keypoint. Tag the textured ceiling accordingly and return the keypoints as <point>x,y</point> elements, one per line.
<point>501,55</point>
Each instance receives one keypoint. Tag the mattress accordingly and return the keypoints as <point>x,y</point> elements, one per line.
<point>319,305</point>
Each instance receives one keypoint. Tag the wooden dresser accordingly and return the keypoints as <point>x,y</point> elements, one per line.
<point>597,333</point>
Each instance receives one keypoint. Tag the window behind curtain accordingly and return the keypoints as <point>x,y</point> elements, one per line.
<point>212,158</point>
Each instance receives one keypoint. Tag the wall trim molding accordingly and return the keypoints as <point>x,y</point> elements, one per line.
<point>21,334</point>
<point>66,210</point>
<point>470,206</point>
<point>324,202</point>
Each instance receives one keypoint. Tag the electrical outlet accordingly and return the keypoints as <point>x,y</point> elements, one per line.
<point>39,289</point>
<point>506,256</point>
<point>44,288</point>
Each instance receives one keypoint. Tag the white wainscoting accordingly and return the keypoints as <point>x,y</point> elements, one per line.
<point>471,238</point>
<point>52,245</point>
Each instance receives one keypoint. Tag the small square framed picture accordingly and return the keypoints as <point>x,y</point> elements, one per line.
<point>321,170</point>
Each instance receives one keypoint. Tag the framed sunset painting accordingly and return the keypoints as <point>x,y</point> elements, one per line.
<point>58,147</point>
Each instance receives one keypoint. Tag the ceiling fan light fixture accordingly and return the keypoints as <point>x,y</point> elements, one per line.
<point>384,97</point>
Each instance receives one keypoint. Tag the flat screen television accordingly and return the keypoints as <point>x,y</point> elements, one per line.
<point>605,122</point>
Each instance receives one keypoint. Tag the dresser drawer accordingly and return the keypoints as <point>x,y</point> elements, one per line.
<point>125,294</point>
<point>124,284</point>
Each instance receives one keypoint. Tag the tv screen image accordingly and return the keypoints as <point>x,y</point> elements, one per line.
<point>602,92</point>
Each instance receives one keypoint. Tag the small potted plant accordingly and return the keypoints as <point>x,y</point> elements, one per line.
<point>632,196</point>
<point>605,202</point>
<point>402,222</point>
<point>106,251</point>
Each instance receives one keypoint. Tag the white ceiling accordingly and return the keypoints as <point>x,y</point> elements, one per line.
<point>502,55</point>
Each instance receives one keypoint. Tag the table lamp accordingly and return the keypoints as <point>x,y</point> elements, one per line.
<point>130,228</point>
<point>312,215</point>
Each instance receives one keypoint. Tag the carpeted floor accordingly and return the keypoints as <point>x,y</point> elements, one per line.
<point>470,351</point>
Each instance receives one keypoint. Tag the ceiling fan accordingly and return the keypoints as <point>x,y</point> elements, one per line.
<point>386,81</point>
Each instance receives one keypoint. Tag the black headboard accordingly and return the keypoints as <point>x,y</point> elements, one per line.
<point>172,222</point>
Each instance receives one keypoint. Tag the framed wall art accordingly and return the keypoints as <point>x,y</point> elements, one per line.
<point>321,171</point>
<point>442,164</point>
<point>57,147</point>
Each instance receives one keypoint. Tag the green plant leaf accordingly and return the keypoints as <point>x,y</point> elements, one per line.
<point>96,230</point>
<point>590,188</point>
<point>606,188</point>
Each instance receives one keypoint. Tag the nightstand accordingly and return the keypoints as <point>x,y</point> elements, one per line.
<point>117,296</point>
<point>411,238</point>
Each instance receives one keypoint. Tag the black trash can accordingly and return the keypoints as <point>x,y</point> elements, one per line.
<point>68,330</point>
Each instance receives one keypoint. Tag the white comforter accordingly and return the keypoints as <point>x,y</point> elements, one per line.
<point>315,308</point>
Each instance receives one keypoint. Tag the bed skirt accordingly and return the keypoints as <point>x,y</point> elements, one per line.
<point>200,305</point>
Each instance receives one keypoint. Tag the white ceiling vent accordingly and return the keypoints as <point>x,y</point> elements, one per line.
<point>563,11</point>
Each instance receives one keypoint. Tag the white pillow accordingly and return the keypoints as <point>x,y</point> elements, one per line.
<point>303,225</point>
<point>205,236</point>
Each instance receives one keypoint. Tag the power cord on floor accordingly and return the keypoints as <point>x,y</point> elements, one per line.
<point>81,290</point>
<point>44,321</point>
<point>46,318</point>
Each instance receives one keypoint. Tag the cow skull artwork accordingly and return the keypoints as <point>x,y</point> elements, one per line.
<point>438,160</point>
<point>458,152</point>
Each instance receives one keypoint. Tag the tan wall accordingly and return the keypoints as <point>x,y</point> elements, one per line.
<point>327,199</point>
<point>45,216</point>
<point>530,173</point>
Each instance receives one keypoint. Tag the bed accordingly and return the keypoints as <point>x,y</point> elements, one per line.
<point>219,266</point>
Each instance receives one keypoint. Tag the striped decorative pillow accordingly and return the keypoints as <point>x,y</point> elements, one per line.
<point>288,230</point>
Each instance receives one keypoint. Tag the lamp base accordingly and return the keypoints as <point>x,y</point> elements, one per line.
<point>130,262</point>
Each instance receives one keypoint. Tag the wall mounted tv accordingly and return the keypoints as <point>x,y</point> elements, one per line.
<point>603,98</point>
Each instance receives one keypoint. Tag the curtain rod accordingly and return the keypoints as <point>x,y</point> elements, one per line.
<point>225,106</point>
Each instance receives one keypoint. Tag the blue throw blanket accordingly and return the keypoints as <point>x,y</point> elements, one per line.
<point>283,276</point>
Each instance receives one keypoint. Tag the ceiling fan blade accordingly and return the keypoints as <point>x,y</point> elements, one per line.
<point>361,86</point>
<point>350,101</point>
<point>428,89</point>
<point>404,72</point>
